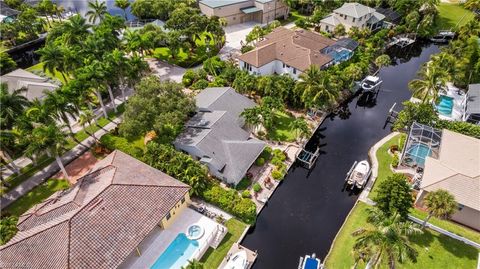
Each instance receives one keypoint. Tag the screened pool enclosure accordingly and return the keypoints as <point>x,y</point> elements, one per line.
<point>422,141</point>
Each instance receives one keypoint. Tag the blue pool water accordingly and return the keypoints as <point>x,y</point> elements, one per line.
<point>445,105</point>
<point>418,153</point>
<point>339,56</point>
<point>177,254</point>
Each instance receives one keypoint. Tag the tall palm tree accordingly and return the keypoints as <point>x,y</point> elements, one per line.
<point>252,117</point>
<point>300,127</point>
<point>50,139</point>
<point>440,204</point>
<point>97,10</point>
<point>61,108</point>
<point>432,80</point>
<point>53,59</point>
<point>75,30</point>
<point>386,240</point>
<point>382,60</point>
<point>86,117</point>
<point>13,104</point>
<point>315,88</point>
<point>123,5</point>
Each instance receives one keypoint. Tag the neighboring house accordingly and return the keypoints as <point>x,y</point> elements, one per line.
<point>7,14</point>
<point>350,15</point>
<point>100,221</point>
<point>240,11</point>
<point>285,51</point>
<point>457,170</point>
<point>215,136</point>
<point>472,106</point>
<point>35,86</point>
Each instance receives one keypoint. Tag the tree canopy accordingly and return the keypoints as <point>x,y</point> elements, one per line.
<point>394,196</point>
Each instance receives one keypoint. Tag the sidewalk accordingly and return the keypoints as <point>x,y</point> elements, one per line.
<point>53,168</point>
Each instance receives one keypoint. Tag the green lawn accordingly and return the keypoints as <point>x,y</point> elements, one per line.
<point>185,57</point>
<point>435,250</point>
<point>294,15</point>
<point>39,67</point>
<point>384,161</point>
<point>452,14</point>
<point>213,257</point>
<point>448,225</point>
<point>25,173</point>
<point>35,196</point>
<point>281,130</point>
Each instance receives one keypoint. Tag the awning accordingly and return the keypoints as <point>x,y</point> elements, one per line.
<point>249,10</point>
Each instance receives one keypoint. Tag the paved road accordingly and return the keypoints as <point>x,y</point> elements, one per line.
<point>166,71</point>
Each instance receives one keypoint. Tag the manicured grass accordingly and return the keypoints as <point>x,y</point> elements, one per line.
<point>281,130</point>
<point>435,250</point>
<point>186,57</point>
<point>25,173</point>
<point>39,67</point>
<point>213,257</point>
<point>384,161</point>
<point>35,196</point>
<point>449,15</point>
<point>448,225</point>
<point>293,16</point>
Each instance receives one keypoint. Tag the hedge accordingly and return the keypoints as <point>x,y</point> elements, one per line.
<point>113,142</point>
<point>460,127</point>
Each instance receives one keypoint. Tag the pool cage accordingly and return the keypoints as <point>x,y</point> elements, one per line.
<point>422,141</point>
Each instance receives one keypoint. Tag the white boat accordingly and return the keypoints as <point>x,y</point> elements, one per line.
<point>237,261</point>
<point>370,83</point>
<point>358,174</point>
<point>309,262</point>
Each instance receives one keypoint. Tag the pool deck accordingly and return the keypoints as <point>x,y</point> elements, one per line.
<point>251,255</point>
<point>158,240</point>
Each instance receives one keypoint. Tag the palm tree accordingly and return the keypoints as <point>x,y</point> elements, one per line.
<point>75,30</point>
<point>440,204</point>
<point>123,5</point>
<point>353,72</point>
<point>97,10</point>
<point>194,264</point>
<point>61,108</point>
<point>432,80</point>
<point>315,88</point>
<point>382,60</point>
<point>300,127</point>
<point>50,139</point>
<point>53,59</point>
<point>13,104</point>
<point>386,240</point>
<point>252,117</point>
<point>86,117</point>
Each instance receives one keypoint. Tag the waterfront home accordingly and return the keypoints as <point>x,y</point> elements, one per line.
<point>285,51</point>
<point>456,169</point>
<point>353,15</point>
<point>240,11</point>
<point>472,106</point>
<point>35,86</point>
<point>215,135</point>
<point>121,212</point>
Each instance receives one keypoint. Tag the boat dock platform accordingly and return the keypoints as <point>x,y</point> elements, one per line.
<point>401,42</point>
<point>251,255</point>
<point>308,158</point>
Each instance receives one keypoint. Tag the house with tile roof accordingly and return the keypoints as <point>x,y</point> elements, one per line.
<point>215,136</point>
<point>285,51</point>
<point>353,15</point>
<point>240,11</point>
<point>457,170</point>
<point>100,221</point>
<point>35,86</point>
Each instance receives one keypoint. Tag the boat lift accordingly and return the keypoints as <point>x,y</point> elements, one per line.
<point>392,115</point>
<point>308,158</point>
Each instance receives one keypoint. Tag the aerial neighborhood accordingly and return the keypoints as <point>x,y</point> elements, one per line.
<point>238,134</point>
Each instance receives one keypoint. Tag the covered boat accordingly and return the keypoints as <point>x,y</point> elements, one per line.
<point>358,174</point>
<point>309,262</point>
<point>237,261</point>
<point>371,83</point>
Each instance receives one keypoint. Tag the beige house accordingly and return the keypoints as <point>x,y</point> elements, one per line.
<point>350,15</point>
<point>457,170</point>
<point>35,86</point>
<point>240,11</point>
<point>99,222</point>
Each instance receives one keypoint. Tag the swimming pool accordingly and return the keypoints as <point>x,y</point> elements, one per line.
<point>418,152</point>
<point>445,105</point>
<point>340,55</point>
<point>177,254</point>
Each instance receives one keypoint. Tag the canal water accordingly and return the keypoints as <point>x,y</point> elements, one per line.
<point>81,7</point>
<point>308,208</point>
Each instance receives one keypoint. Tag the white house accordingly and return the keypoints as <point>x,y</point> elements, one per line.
<point>35,86</point>
<point>353,14</point>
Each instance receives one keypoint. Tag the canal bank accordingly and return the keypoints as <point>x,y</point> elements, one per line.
<point>310,206</point>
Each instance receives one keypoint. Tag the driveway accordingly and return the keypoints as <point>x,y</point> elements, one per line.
<point>234,34</point>
<point>166,71</point>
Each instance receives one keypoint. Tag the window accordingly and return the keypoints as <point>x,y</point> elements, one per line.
<point>168,216</point>
<point>294,70</point>
<point>460,207</point>
<point>283,65</point>
<point>360,19</point>
<point>183,200</point>
<point>353,19</point>
<point>326,28</point>
<point>234,18</point>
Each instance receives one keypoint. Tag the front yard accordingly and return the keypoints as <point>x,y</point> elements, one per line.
<point>213,257</point>
<point>434,250</point>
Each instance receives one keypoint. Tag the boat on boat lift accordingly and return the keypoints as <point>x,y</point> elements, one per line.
<point>443,36</point>
<point>310,262</point>
<point>371,83</point>
<point>358,174</point>
<point>237,261</point>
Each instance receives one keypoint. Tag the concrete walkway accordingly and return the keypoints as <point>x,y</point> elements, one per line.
<point>53,168</point>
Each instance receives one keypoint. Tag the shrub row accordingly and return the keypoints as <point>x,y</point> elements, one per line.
<point>113,142</point>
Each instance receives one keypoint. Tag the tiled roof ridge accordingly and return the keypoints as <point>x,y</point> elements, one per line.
<point>151,186</point>
<point>93,175</point>
<point>216,99</point>
<point>445,178</point>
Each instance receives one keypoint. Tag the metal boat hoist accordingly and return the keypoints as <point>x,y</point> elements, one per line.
<point>308,158</point>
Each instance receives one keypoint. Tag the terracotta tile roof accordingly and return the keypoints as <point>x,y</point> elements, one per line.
<point>98,222</point>
<point>299,48</point>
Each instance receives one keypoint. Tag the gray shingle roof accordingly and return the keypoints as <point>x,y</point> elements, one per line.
<point>99,221</point>
<point>215,135</point>
<point>354,10</point>
<point>473,99</point>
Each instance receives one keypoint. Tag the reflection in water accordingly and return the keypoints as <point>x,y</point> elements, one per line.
<point>81,7</point>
